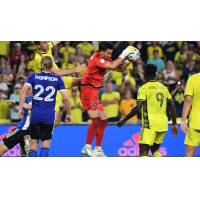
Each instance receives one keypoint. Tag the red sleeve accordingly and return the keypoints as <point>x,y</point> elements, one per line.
<point>99,62</point>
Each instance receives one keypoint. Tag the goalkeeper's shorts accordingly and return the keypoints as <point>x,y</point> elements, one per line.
<point>59,98</point>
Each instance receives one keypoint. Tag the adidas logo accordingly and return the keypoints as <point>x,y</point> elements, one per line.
<point>131,147</point>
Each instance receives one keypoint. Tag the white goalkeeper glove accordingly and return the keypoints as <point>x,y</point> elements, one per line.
<point>126,52</point>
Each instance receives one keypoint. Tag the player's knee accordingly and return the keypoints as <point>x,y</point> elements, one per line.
<point>96,122</point>
<point>155,147</point>
<point>32,153</point>
<point>44,152</point>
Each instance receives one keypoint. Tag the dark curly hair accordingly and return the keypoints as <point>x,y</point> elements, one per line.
<point>150,71</point>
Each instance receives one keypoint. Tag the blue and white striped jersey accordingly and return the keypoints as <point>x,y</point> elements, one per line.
<point>24,124</point>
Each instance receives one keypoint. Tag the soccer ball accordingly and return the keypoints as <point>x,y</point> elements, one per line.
<point>133,56</point>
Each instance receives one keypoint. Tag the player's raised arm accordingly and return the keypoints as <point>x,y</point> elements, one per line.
<point>116,63</point>
<point>172,108</point>
<point>133,112</point>
<point>22,99</point>
<point>56,42</point>
<point>68,72</point>
<point>25,105</point>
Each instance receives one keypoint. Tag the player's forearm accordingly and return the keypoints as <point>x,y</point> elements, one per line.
<point>22,99</point>
<point>186,109</point>
<point>63,72</point>
<point>67,105</point>
<point>134,111</point>
<point>114,65</point>
<point>122,67</point>
<point>173,111</point>
<point>27,106</point>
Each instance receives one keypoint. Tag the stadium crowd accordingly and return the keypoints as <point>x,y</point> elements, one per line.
<point>175,61</point>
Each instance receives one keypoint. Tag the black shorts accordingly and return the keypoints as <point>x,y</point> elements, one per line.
<point>14,137</point>
<point>41,131</point>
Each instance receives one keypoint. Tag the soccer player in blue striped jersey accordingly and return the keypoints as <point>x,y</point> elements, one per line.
<point>22,130</point>
<point>45,86</point>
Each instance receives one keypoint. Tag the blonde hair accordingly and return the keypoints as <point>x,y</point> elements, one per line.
<point>46,62</point>
<point>172,64</point>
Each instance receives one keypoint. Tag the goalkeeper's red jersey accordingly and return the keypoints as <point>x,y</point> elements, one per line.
<point>95,71</point>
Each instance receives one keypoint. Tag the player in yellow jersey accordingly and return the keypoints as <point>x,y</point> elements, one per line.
<point>153,98</point>
<point>191,107</point>
<point>44,49</point>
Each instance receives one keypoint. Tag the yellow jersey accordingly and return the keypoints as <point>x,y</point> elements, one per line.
<point>86,49</point>
<point>112,109</point>
<point>39,55</point>
<point>193,90</point>
<point>76,112</point>
<point>155,96</point>
<point>127,106</point>
<point>150,50</point>
<point>65,53</point>
<point>3,47</point>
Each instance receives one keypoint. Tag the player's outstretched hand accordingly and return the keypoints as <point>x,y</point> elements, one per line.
<point>121,122</point>
<point>20,114</point>
<point>68,119</point>
<point>175,130</point>
<point>184,127</point>
<point>80,68</point>
<point>11,101</point>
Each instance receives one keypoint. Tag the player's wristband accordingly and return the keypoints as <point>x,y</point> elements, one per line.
<point>122,56</point>
<point>129,62</point>
<point>16,103</point>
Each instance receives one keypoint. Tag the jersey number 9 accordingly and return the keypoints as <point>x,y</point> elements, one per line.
<point>160,98</point>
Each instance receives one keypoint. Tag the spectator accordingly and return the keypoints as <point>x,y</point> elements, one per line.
<point>103,90</point>
<point>14,108</point>
<point>161,79</point>
<point>169,51</point>
<point>193,46</point>
<point>58,57</point>
<point>31,63</point>
<point>30,72</point>
<point>157,61</point>
<point>21,65</point>
<point>138,75</point>
<point>150,50</point>
<point>127,82</point>
<point>8,77</point>
<point>21,81</point>
<point>79,57</point>
<point>178,96</point>
<point>4,48</point>
<point>86,48</point>
<point>110,102</point>
<point>15,56</point>
<point>4,108</point>
<point>126,106</point>
<point>188,71</point>
<point>3,88</point>
<point>190,55</point>
<point>21,73</point>
<point>76,107</point>
<point>66,50</point>
<point>171,74</point>
<point>71,64</point>
<point>141,46</point>
<point>3,65</point>
<point>181,57</point>
<point>86,60</point>
<point>96,47</point>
